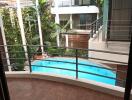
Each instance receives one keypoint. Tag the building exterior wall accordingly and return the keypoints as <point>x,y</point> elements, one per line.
<point>78,40</point>
<point>120,20</point>
<point>75,10</point>
<point>62,8</point>
<point>79,21</point>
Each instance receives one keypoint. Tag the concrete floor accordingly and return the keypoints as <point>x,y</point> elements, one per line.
<point>112,46</point>
<point>38,89</point>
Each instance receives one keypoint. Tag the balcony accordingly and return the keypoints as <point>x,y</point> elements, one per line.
<point>13,3</point>
<point>67,3</point>
<point>70,7</point>
<point>32,84</point>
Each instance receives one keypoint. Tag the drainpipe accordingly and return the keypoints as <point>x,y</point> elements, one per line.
<point>5,43</point>
<point>20,20</point>
<point>39,26</point>
<point>105,20</point>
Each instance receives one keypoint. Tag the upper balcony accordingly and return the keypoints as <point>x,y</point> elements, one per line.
<point>67,3</point>
<point>74,7</point>
<point>14,3</point>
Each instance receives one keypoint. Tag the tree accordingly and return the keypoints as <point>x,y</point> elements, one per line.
<point>13,37</point>
<point>12,30</point>
<point>48,24</point>
<point>100,6</point>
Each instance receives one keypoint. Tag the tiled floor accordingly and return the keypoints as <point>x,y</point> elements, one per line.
<point>36,89</point>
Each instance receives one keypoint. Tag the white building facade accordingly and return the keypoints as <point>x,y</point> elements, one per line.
<point>78,13</point>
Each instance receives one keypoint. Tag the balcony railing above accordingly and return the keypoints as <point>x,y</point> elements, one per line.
<point>67,3</point>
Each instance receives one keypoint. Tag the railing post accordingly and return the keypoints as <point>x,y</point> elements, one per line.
<point>29,60</point>
<point>94,28</point>
<point>97,25</point>
<point>91,34</point>
<point>76,63</point>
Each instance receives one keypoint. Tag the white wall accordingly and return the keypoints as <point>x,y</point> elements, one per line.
<point>75,10</point>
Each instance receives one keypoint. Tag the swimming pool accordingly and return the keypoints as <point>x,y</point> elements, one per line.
<point>47,66</point>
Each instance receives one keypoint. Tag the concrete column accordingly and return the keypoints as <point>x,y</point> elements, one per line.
<point>66,36</point>
<point>5,43</point>
<point>12,17</point>
<point>39,26</point>
<point>105,19</point>
<point>20,20</point>
<point>71,25</point>
<point>57,21</point>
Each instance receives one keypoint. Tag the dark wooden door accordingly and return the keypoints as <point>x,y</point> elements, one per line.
<point>121,17</point>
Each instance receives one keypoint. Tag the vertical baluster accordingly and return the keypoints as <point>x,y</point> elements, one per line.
<point>29,60</point>
<point>76,64</point>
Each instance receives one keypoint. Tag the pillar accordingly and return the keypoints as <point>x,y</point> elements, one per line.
<point>71,25</point>
<point>5,43</point>
<point>20,20</point>
<point>39,26</point>
<point>57,21</point>
<point>105,19</point>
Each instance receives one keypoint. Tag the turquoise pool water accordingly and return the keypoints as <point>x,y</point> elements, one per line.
<point>38,66</point>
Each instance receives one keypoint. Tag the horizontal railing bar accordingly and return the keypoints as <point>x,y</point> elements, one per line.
<point>85,65</point>
<point>59,61</point>
<point>15,52</point>
<point>78,71</point>
<point>73,70</point>
<point>112,69</point>
<point>119,20</point>
<point>108,52</point>
<point>119,26</point>
<point>96,74</point>
<point>68,33</point>
<point>54,67</point>
<point>75,49</point>
<point>89,58</point>
<point>119,30</point>
<point>108,60</point>
<point>14,58</point>
<point>102,67</point>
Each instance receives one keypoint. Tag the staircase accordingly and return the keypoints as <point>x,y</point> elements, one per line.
<point>96,43</point>
<point>95,27</point>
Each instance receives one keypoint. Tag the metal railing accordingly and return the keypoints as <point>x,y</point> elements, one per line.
<point>68,3</point>
<point>18,57</point>
<point>92,27</point>
<point>95,26</point>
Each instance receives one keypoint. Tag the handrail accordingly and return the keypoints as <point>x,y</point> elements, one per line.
<point>95,50</point>
<point>76,62</point>
<point>95,26</point>
<point>72,3</point>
